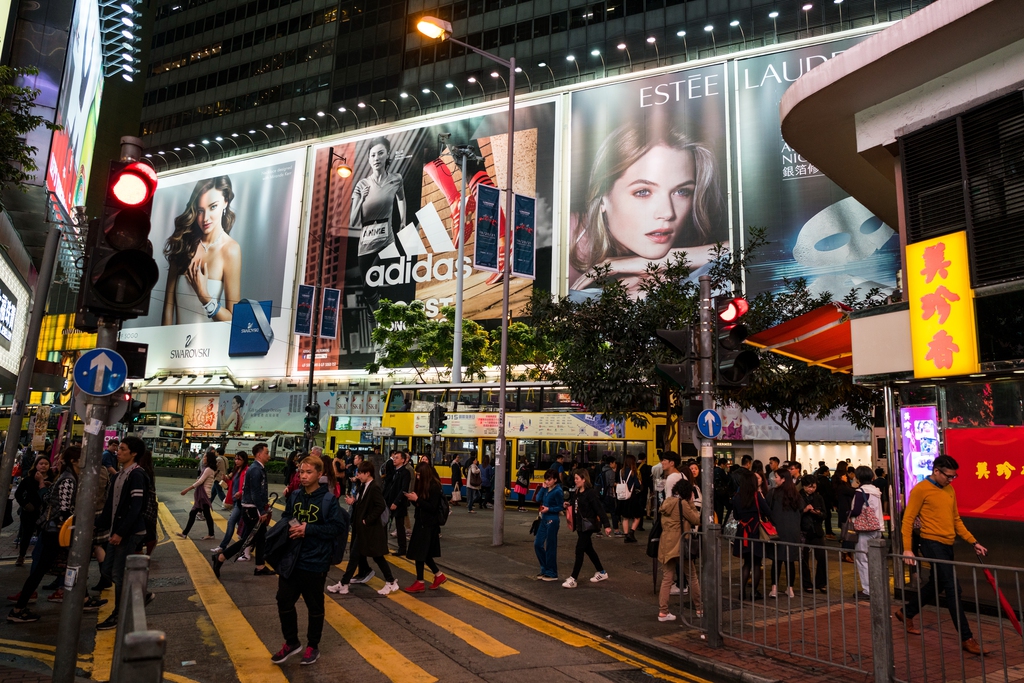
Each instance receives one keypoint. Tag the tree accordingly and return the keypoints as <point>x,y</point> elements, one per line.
<point>17,161</point>
<point>528,348</point>
<point>406,338</point>
<point>789,390</point>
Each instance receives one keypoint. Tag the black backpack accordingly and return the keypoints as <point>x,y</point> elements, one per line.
<point>338,546</point>
<point>443,511</point>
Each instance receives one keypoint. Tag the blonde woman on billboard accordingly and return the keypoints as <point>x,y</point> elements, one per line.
<point>374,200</point>
<point>205,262</point>
<point>652,195</point>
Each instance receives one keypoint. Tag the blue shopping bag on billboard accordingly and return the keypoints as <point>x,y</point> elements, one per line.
<point>251,334</point>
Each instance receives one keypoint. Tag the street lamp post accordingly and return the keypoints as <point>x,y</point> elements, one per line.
<point>623,46</point>
<point>710,28</point>
<point>774,16</point>
<point>385,108</point>
<point>461,154</point>
<point>436,28</point>
<point>319,132</point>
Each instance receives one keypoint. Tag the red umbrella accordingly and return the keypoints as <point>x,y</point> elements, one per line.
<point>1007,608</point>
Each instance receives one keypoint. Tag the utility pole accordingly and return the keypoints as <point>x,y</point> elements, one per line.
<point>462,154</point>
<point>711,579</point>
<point>28,357</point>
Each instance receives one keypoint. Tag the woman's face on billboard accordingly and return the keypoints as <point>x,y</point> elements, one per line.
<point>648,205</point>
<point>210,210</point>
<point>378,155</point>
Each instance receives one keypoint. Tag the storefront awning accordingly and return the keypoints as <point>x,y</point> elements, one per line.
<point>821,337</point>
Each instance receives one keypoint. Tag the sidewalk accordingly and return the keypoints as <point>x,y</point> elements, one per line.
<point>625,608</point>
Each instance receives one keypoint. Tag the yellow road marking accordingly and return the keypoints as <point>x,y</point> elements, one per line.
<point>103,647</point>
<point>556,629</point>
<point>247,652</point>
<point>473,636</point>
<point>48,659</point>
<point>22,643</point>
<point>372,647</point>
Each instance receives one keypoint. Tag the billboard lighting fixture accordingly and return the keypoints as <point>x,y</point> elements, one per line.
<point>127,57</point>
<point>252,131</point>
<point>320,114</point>
<point>127,8</point>
<point>127,77</point>
<point>127,34</point>
<point>191,144</point>
<point>269,125</point>
<point>218,138</point>
<point>808,7</point>
<point>773,14</point>
<point>709,28</point>
<point>681,33</point>
<point>127,22</point>
<point>255,387</point>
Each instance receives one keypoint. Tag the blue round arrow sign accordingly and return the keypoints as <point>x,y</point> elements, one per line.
<point>709,424</point>
<point>100,372</point>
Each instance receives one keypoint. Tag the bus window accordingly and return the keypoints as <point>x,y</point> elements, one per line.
<point>468,399</point>
<point>148,420</point>
<point>639,449</point>
<point>559,400</point>
<point>489,400</point>
<point>529,400</point>
<point>595,451</point>
<point>528,449</point>
<point>399,400</point>
<point>461,447</point>
<point>426,398</point>
<point>170,420</point>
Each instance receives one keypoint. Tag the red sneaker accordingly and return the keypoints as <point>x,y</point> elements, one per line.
<point>417,587</point>
<point>56,596</point>
<point>17,596</point>
<point>438,580</point>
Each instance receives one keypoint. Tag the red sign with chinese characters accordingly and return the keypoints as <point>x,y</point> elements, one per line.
<point>991,476</point>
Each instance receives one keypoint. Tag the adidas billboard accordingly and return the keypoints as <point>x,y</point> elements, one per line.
<point>408,268</point>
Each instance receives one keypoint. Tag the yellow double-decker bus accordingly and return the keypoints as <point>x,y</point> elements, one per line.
<point>541,419</point>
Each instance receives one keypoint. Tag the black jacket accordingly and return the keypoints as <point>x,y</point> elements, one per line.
<point>322,527</point>
<point>426,531</point>
<point>126,519</point>
<point>395,494</point>
<point>810,522</point>
<point>369,536</point>
<point>587,505</point>
<point>254,492</point>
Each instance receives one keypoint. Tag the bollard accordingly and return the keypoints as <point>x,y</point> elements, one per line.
<point>881,624</point>
<point>711,584</point>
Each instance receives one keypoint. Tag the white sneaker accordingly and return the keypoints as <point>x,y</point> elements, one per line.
<point>394,534</point>
<point>389,588</point>
<point>674,590</point>
<point>216,551</point>
<point>667,617</point>
<point>364,579</point>
<point>339,588</point>
<point>244,557</point>
<point>569,583</point>
<point>599,576</point>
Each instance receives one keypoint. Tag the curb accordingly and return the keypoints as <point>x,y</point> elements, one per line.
<point>649,646</point>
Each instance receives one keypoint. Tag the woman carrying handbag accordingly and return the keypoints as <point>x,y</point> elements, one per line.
<point>753,521</point>
<point>679,517</point>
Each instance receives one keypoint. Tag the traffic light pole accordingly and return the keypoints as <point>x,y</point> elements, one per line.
<point>28,358</point>
<point>76,577</point>
<point>711,578</point>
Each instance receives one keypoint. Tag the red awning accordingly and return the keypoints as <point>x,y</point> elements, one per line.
<point>821,337</point>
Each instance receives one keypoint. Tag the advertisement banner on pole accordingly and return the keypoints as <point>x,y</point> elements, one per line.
<point>488,210</point>
<point>816,231</point>
<point>304,310</point>
<point>329,309</point>
<point>238,219</point>
<point>524,235</point>
<point>392,225</point>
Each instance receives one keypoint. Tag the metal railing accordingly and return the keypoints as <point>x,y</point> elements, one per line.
<point>834,619</point>
<point>138,652</point>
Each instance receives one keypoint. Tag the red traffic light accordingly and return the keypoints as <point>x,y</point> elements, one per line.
<point>733,309</point>
<point>134,185</point>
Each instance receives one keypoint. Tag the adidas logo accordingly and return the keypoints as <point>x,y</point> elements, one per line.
<point>407,269</point>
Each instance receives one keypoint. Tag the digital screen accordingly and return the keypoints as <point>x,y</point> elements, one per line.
<point>919,429</point>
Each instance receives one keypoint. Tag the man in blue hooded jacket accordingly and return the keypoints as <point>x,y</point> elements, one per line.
<point>316,520</point>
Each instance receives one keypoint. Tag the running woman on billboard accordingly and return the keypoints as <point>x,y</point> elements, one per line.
<point>652,195</point>
<point>205,262</point>
<point>374,200</point>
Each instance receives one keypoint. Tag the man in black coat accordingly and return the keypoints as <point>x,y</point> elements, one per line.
<point>369,534</point>
<point>395,497</point>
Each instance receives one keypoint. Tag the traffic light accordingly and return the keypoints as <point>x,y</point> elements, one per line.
<point>311,423</point>
<point>733,361</point>
<point>682,374</point>
<point>134,408</point>
<point>433,419</point>
<point>442,418</point>
<point>119,271</point>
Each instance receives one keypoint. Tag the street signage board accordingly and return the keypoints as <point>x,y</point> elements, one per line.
<point>100,372</point>
<point>709,424</point>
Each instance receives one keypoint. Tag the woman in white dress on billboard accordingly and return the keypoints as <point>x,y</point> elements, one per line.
<point>205,262</point>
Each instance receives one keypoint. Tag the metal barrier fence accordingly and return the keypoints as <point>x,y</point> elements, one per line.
<point>830,615</point>
<point>138,652</point>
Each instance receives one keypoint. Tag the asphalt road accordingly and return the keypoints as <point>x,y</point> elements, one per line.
<point>224,631</point>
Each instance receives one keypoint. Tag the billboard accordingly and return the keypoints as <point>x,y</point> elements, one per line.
<point>391,229</point>
<point>78,109</point>
<point>223,237</point>
<point>649,169</point>
<point>271,411</point>
<point>816,231</point>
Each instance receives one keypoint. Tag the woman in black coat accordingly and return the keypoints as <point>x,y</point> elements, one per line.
<point>588,518</point>
<point>369,532</point>
<point>30,497</point>
<point>425,543</point>
<point>749,507</point>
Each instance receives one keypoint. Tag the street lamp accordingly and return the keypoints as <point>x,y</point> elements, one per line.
<point>622,46</point>
<point>807,21</point>
<point>710,28</point>
<point>686,48</point>
<point>545,64</point>
<point>495,74</point>
<point>426,91</point>
<point>450,86</point>
<point>653,41</point>
<point>319,132</point>
<point>354,115</point>
<point>344,171</point>
<point>364,105</point>
<point>254,131</point>
<point>384,101</point>
<point>472,79</point>
<point>321,114</point>
<point>604,67</point>
<point>774,16</point>
<point>405,95</point>
<point>436,28</point>
<point>519,70</point>
<point>735,23</point>
<point>235,135</point>
<point>571,58</point>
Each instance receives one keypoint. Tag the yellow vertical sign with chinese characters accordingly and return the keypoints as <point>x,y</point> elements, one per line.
<point>942,327</point>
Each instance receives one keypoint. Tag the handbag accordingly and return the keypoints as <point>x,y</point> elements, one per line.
<point>848,534</point>
<point>766,530</point>
<point>64,537</point>
<point>277,547</point>
<point>456,495</point>
<point>867,520</point>
<point>535,526</point>
<point>654,538</point>
<point>689,548</point>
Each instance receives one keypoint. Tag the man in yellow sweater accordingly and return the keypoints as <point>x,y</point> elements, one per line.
<point>934,501</point>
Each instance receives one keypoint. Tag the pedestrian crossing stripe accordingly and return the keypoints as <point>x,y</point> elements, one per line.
<point>372,647</point>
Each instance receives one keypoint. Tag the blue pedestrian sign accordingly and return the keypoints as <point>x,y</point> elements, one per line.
<point>709,424</point>
<point>100,372</point>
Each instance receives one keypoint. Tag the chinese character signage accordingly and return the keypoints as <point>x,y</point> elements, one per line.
<point>942,327</point>
<point>991,475</point>
<point>919,431</point>
<point>8,315</point>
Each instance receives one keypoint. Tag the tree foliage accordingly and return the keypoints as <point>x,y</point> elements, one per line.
<point>17,162</point>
